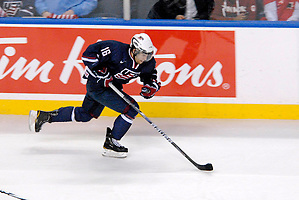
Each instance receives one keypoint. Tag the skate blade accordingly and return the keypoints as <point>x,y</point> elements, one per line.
<point>31,120</point>
<point>113,154</point>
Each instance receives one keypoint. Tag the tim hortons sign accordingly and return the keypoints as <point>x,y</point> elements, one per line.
<point>190,63</point>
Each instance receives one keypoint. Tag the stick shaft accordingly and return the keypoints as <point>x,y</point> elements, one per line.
<point>151,123</point>
<point>11,195</point>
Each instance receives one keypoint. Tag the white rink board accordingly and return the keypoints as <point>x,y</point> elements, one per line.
<point>267,66</point>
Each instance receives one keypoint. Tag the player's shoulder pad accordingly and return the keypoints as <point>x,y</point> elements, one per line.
<point>112,44</point>
<point>116,48</point>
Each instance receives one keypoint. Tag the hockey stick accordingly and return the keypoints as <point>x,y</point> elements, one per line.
<point>11,195</point>
<point>206,167</point>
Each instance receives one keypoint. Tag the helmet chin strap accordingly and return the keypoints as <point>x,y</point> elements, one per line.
<point>133,54</point>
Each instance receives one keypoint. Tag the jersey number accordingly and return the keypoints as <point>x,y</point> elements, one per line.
<point>106,51</point>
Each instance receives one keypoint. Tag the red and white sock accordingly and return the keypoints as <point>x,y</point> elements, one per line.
<point>54,16</point>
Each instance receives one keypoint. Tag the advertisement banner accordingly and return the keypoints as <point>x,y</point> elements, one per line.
<point>47,60</point>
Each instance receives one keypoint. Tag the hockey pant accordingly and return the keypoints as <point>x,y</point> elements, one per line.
<point>79,114</point>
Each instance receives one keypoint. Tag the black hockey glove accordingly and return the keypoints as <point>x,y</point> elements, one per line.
<point>107,81</point>
<point>149,90</point>
<point>103,77</point>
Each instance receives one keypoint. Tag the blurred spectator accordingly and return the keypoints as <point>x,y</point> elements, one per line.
<point>108,9</point>
<point>14,8</point>
<point>260,9</point>
<point>182,9</point>
<point>65,8</point>
<point>234,10</point>
<point>281,10</point>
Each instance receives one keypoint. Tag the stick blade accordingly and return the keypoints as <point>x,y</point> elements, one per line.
<point>206,167</point>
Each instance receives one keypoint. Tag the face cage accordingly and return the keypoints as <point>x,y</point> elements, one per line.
<point>149,56</point>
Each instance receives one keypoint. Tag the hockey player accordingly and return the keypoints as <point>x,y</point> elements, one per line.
<point>116,62</point>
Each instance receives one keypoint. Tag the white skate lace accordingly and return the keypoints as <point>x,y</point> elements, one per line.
<point>116,143</point>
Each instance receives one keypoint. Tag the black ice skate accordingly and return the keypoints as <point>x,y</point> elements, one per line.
<point>38,118</point>
<point>112,148</point>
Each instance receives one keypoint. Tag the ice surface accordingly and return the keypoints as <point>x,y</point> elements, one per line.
<point>253,160</point>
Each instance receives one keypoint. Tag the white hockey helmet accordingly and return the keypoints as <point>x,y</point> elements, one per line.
<point>143,44</point>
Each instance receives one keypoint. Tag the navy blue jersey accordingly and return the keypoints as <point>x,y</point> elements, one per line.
<point>112,58</point>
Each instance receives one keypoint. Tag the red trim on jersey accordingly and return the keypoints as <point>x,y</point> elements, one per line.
<point>89,57</point>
